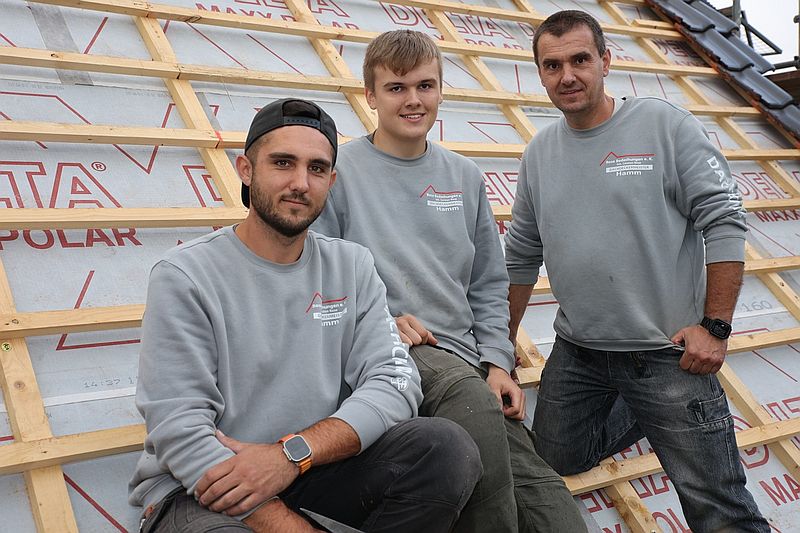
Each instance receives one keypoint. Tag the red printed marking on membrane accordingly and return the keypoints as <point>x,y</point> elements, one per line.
<point>94,504</point>
<point>96,35</point>
<point>62,341</point>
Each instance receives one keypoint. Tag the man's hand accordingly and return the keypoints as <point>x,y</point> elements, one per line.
<point>275,517</point>
<point>412,332</point>
<point>256,473</point>
<point>704,353</point>
<point>501,384</point>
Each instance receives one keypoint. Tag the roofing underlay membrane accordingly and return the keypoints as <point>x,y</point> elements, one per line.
<point>83,375</point>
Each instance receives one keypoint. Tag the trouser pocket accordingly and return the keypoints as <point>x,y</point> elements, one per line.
<point>150,522</point>
<point>711,412</point>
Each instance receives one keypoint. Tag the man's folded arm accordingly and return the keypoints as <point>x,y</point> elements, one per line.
<point>384,379</point>
<point>177,392</point>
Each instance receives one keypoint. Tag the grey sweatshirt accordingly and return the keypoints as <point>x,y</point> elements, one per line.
<point>620,214</point>
<point>429,225</point>
<point>259,350</point>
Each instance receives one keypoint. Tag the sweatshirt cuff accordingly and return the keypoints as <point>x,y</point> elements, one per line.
<point>523,275</point>
<point>364,420</point>
<point>727,248</point>
<point>497,357</point>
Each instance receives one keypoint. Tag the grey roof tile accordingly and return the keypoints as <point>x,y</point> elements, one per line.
<point>686,14</point>
<point>721,23</point>
<point>789,117</point>
<point>743,65</point>
<point>731,52</point>
<point>767,92</point>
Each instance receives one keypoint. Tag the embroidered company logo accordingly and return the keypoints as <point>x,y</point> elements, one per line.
<point>443,201</point>
<point>628,164</point>
<point>328,312</point>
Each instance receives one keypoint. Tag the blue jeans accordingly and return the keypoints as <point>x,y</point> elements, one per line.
<point>594,403</point>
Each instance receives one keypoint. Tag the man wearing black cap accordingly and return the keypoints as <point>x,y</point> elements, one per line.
<point>272,377</point>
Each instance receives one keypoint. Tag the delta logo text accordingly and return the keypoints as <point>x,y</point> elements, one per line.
<point>443,201</point>
<point>399,354</point>
<point>328,312</point>
<point>628,164</point>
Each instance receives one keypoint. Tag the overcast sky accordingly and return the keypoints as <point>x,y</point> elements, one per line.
<point>773,18</point>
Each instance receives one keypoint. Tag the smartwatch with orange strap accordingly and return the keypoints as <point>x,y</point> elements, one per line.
<point>297,451</point>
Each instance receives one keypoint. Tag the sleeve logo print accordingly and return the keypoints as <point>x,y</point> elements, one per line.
<point>328,312</point>
<point>443,201</point>
<point>727,183</point>
<point>399,354</point>
<point>628,164</point>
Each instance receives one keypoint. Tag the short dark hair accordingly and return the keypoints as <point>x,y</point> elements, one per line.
<point>562,22</point>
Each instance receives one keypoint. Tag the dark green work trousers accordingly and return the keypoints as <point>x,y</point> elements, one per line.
<point>518,492</point>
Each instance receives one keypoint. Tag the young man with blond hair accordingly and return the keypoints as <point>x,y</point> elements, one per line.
<point>422,211</point>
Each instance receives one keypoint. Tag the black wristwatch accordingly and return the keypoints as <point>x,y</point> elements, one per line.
<point>717,327</point>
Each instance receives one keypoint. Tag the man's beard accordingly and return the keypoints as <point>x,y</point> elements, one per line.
<point>265,209</point>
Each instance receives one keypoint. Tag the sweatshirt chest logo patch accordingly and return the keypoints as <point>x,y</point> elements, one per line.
<point>628,164</point>
<point>443,200</point>
<point>328,311</point>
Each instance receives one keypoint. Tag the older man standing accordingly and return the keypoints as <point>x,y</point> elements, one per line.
<point>641,227</point>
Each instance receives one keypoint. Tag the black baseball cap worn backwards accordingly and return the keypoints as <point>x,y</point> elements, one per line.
<point>289,112</point>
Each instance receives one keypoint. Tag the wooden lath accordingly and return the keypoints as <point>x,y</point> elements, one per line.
<point>165,12</point>
<point>37,57</point>
<point>630,506</point>
<point>173,70</point>
<point>47,490</point>
<point>124,217</point>
<point>192,113</point>
<point>207,137</point>
<point>312,30</point>
<point>18,325</point>
<point>54,451</point>
<point>38,454</point>
<point>16,458</point>
<point>333,61</point>
<point>788,454</point>
<point>484,76</point>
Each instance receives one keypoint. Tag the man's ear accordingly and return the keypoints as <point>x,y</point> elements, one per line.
<point>244,168</point>
<point>606,61</point>
<point>370,95</point>
<point>333,179</point>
